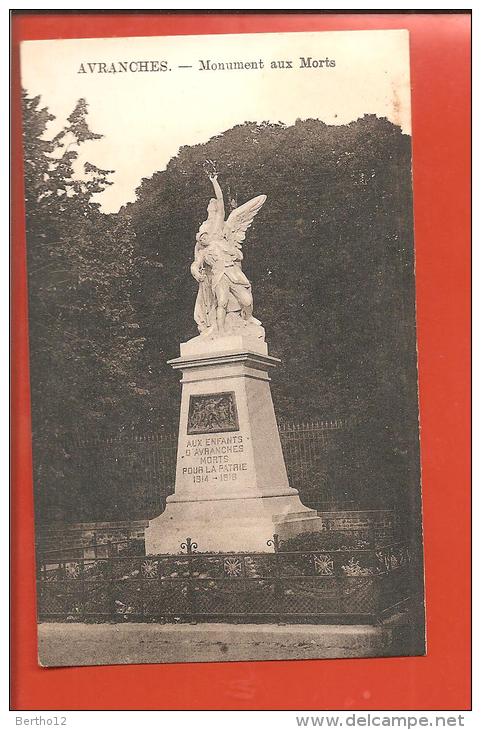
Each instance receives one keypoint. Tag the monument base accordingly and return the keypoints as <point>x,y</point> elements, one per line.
<point>226,525</point>
<point>232,493</point>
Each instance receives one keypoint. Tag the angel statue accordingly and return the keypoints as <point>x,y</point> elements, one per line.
<point>224,301</point>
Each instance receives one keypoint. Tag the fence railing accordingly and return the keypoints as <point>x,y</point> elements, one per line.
<point>316,586</point>
<point>146,463</point>
<point>106,549</point>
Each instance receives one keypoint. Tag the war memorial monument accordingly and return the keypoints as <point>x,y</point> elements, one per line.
<point>231,485</point>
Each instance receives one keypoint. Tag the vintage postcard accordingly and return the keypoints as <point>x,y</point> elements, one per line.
<point>223,347</point>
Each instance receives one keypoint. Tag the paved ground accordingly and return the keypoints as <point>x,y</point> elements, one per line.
<point>70,644</point>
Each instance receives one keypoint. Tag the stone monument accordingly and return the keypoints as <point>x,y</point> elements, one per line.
<point>231,486</point>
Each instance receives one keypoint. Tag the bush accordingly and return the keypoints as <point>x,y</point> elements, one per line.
<point>328,540</point>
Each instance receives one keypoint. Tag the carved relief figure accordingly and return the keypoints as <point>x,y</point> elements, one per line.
<point>212,413</point>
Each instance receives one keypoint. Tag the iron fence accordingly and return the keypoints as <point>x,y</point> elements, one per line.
<point>144,465</point>
<point>89,550</point>
<point>321,586</point>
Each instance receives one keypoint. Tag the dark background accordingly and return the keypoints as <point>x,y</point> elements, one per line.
<point>330,258</point>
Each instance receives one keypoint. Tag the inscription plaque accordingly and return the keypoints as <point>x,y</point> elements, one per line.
<point>212,413</point>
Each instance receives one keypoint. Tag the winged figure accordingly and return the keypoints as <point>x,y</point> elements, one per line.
<point>224,300</point>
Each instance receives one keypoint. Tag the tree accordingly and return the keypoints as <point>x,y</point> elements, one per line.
<point>330,258</point>
<point>83,336</point>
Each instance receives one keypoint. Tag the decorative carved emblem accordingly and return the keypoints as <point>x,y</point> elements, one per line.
<point>213,413</point>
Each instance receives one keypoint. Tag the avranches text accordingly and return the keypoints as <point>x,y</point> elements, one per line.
<point>207,64</point>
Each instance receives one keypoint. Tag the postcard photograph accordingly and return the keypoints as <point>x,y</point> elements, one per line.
<point>223,362</point>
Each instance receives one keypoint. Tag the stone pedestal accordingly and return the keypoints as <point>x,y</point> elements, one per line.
<point>231,488</point>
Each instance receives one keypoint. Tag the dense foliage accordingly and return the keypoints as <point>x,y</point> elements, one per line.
<point>330,258</point>
<point>83,333</point>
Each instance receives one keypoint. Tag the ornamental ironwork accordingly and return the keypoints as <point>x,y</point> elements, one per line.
<point>189,546</point>
<point>353,568</point>
<point>72,570</point>
<point>399,558</point>
<point>323,564</point>
<point>190,585</point>
<point>391,559</point>
<point>232,567</point>
<point>384,559</point>
<point>149,569</point>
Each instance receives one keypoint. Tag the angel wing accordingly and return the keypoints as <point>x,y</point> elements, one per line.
<point>240,219</point>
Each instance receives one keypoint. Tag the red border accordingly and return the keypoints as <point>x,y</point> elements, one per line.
<point>440,70</point>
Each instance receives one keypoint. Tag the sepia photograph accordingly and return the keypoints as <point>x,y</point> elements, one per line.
<point>223,358</point>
